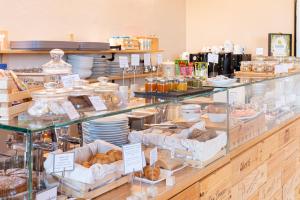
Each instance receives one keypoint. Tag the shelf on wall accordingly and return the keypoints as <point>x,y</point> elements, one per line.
<point>129,76</point>
<point>11,51</point>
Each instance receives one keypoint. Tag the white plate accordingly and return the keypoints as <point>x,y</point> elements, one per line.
<point>162,176</point>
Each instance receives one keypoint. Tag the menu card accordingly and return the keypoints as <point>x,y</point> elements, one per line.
<point>135,59</point>
<point>259,51</point>
<point>63,162</point>
<point>50,194</point>
<point>159,59</point>
<point>70,110</point>
<point>123,62</point>
<point>153,156</point>
<point>147,59</point>
<point>68,81</point>
<point>133,158</point>
<point>97,103</point>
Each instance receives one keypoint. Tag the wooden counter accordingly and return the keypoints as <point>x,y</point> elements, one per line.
<point>267,167</point>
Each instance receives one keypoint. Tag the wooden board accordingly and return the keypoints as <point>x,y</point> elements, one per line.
<point>129,76</point>
<point>253,74</point>
<point>10,51</point>
<point>191,193</point>
<point>97,192</point>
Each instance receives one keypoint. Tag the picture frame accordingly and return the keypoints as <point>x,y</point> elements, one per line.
<point>279,44</point>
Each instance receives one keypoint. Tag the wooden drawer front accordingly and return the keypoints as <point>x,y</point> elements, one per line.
<point>219,192</point>
<point>216,183</point>
<point>277,195</point>
<point>249,186</point>
<point>289,189</point>
<point>269,189</point>
<point>191,193</point>
<point>275,163</point>
<point>287,134</point>
<point>290,167</point>
<point>270,146</point>
<point>243,164</point>
<point>291,148</point>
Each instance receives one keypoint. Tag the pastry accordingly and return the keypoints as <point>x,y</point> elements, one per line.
<point>86,164</point>
<point>152,173</point>
<point>114,155</point>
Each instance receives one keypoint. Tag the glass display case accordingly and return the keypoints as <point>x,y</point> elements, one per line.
<point>190,131</point>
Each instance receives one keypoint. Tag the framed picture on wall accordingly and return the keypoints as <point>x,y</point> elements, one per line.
<point>280,44</point>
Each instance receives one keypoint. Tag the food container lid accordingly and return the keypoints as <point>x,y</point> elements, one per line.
<point>51,91</point>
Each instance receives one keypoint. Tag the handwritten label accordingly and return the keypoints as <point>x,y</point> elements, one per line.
<point>97,102</point>
<point>159,59</point>
<point>63,162</point>
<point>70,110</point>
<point>153,156</point>
<point>135,59</point>
<point>147,59</point>
<point>50,194</point>
<point>68,81</point>
<point>281,68</point>
<point>213,58</point>
<point>123,61</point>
<point>259,51</point>
<point>132,156</point>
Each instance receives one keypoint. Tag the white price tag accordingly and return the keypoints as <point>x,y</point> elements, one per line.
<point>281,68</point>
<point>123,62</point>
<point>147,59</point>
<point>50,194</point>
<point>259,51</point>
<point>97,102</point>
<point>153,156</point>
<point>68,81</point>
<point>135,59</point>
<point>133,159</point>
<point>159,59</point>
<point>144,159</point>
<point>70,110</point>
<point>63,162</point>
<point>213,58</point>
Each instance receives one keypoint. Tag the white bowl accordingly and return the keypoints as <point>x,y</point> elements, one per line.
<point>217,117</point>
<point>83,73</point>
<point>191,112</point>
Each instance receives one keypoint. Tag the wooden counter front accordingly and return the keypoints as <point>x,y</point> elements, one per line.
<point>267,167</point>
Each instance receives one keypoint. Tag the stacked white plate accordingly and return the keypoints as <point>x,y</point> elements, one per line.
<point>100,67</point>
<point>81,65</point>
<point>113,129</point>
<point>114,68</point>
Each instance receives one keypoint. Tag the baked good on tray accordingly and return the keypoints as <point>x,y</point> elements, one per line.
<point>13,181</point>
<point>149,172</point>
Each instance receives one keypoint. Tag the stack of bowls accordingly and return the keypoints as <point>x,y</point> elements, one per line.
<point>81,65</point>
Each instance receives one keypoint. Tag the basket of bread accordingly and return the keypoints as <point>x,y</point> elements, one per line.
<point>96,165</point>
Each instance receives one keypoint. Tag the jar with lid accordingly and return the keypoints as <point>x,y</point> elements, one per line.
<point>270,66</point>
<point>169,82</point>
<point>246,66</point>
<point>190,81</point>
<point>47,103</point>
<point>150,85</point>
<point>258,66</point>
<point>197,82</point>
<point>57,65</point>
<point>182,85</point>
<point>162,86</point>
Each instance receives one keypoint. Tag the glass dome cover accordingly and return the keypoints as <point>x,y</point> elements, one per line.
<point>57,65</point>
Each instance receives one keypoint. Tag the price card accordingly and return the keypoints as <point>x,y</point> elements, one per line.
<point>70,110</point>
<point>259,51</point>
<point>63,162</point>
<point>147,59</point>
<point>98,103</point>
<point>281,68</point>
<point>135,59</point>
<point>123,62</point>
<point>153,156</point>
<point>50,194</point>
<point>68,81</point>
<point>159,59</point>
<point>144,159</point>
<point>133,158</point>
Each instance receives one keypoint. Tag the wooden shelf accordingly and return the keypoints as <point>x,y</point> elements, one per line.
<point>129,76</point>
<point>11,51</point>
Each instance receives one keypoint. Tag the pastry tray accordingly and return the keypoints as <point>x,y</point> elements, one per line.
<point>174,94</point>
<point>44,45</point>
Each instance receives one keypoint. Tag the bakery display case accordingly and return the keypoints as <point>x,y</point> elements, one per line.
<point>189,132</point>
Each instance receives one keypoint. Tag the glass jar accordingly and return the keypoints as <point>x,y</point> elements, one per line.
<point>182,85</point>
<point>79,95</point>
<point>57,65</point>
<point>197,82</point>
<point>246,66</point>
<point>162,86</point>
<point>150,85</point>
<point>169,82</point>
<point>270,66</point>
<point>190,81</point>
<point>47,103</point>
<point>258,67</point>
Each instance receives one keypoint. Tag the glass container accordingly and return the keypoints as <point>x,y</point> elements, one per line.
<point>150,85</point>
<point>258,67</point>
<point>246,66</point>
<point>162,86</point>
<point>182,85</point>
<point>197,82</point>
<point>57,65</point>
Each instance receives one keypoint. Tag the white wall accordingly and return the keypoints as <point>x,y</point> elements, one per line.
<point>247,22</point>
<point>95,20</point>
